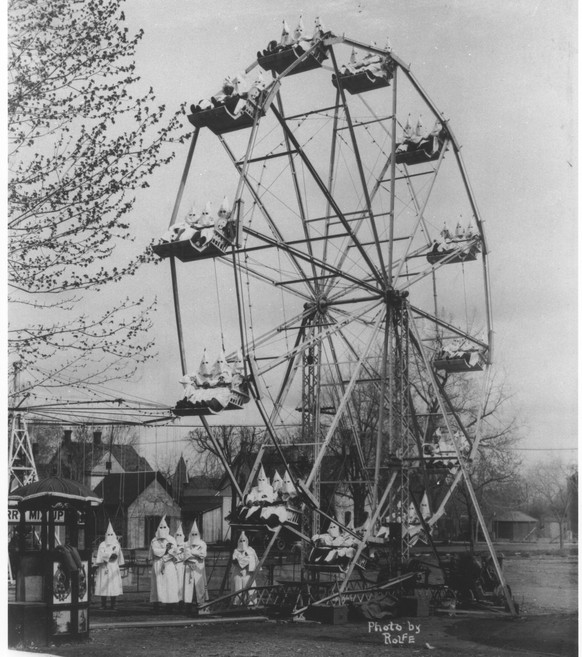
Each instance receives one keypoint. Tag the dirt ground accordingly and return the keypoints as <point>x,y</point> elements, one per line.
<point>545,587</point>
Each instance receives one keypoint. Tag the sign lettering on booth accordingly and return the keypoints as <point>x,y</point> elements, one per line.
<point>35,517</point>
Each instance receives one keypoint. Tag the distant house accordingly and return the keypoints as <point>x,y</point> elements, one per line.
<point>204,499</point>
<point>135,502</point>
<point>134,496</point>
<point>180,478</point>
<point>514,526</point>
<point>89,462</point>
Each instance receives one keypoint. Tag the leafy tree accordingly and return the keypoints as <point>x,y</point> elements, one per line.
<point>84,137</point>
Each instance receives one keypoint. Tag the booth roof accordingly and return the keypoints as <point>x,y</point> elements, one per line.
<point>56,488</point>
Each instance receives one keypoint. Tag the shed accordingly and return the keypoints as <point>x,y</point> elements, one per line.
<point>514,526</point>
<point>135,503</point>
<point>209,506</point>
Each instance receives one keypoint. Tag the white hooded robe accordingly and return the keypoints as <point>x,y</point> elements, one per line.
<point>245,562</point>
<point>194,568</point>
<point>179,559</point>
<point>109,558</point>
<point>164,579</point>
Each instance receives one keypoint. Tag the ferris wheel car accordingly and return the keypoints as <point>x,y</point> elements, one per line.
<point>470,360</point>
<point>189,250</point>
<point>222,120</point>
<point>280,60</point>
<point>455,252</point>
<point>426,150</point>
<point>357,83</point>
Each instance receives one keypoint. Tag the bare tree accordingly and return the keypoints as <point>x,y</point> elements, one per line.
<point>549,491</point>
<point>232,441</point>
<point>84,137</point>
<point>493,472</point>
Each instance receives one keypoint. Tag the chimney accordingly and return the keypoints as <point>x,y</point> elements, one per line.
<point>67,437</point>
<point>96,438</point>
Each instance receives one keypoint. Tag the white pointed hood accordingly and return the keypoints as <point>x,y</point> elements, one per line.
<point>224,210</point>
<point>333,530</point>
<point>206,218</point>
<point>285,34</point>
<point>277,482</point>
<point>194,537</point>
<point>262,480</point>
<point>192,217</point>
<point>239,366</point>
<point>298,34</point>
<point>204,369</point>
<point>288,487</point>
<point>179,535</point>
<point>110,536</point>
<point>221,367</point>
<point>243,542</point>
<point>163,530</point>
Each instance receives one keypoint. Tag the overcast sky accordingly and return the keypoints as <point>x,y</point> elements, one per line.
<point>504,72</point>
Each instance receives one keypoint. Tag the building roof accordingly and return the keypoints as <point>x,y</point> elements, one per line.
<point>514,516</point>
<point>84,456</point>
<point>125,487</point>
<point>129,459</point>
<point>180,476</point>
<point>204,482</point>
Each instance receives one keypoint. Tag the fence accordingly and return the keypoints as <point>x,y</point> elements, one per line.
<point>136,573</point>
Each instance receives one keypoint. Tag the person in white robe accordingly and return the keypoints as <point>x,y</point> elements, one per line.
<point>179,560</point>
<point>286,39</point>
<point>195,586</point>
<point>221,373</point>
<point>108,576</point>
<point>259,495</point>
<point>245,563</point>
<point>223,215</point>
<point>207,223</point>
<point>288,491</point>
<point>276,483</point>
<point>203,376</point>
<point>164,575</point>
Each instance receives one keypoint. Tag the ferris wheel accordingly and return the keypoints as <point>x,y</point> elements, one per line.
<point>358,298</point>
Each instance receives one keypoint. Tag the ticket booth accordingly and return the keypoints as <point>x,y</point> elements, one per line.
<point>52,525</point>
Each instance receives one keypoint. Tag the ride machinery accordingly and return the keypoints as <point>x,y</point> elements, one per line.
<point>353,264</point>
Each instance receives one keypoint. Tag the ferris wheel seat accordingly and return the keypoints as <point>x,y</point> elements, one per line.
<point>271,514</point>
<point>427,150</point>
<point>282,59</point>
<point>211,401</point>
<point>357,83</point>
<point>189,250</point>
<point>468,361</point>
<point>323,560</point>
<point>454,255</point>
<point>220,120</point>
